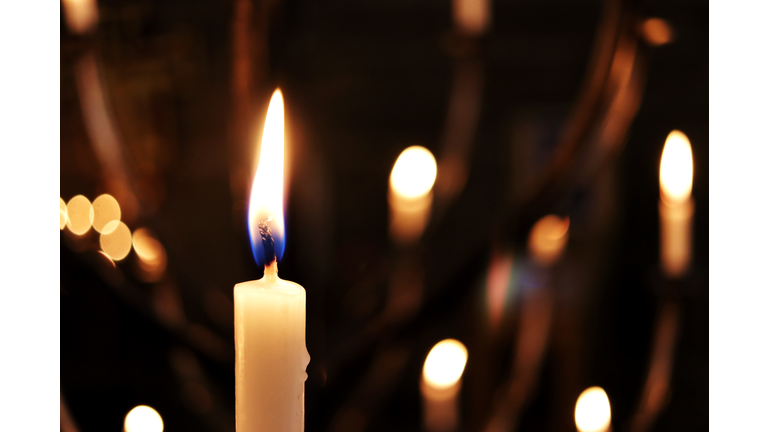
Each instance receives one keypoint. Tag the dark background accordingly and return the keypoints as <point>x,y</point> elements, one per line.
<point>362,81</point>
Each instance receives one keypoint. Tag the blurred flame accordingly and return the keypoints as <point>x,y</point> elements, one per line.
<point>676,170</point>
<point>593,411</point>
<point>105,210</point>
<point>445,363</point>
<point>657,31</point>
<point>115,240</point>
<point>79,215</point>
<point>266,202</point>
<point>548,239</point>
<point>151,253</point>
<point>81,15</point>
<point>414,173</point>
<point>62,214</point>
<point>143,419</point>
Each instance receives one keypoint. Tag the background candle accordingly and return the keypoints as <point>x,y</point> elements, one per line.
<point>270,313</point>
<point>593,411</point>
<point>440,385</point>
<point>676,206</point>
<point>410,194</point>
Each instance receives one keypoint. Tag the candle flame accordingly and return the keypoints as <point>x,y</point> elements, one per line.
<point>676,169</point>
<point>593,411</point>
<point>143,419</point>
<point>548,239</point>
<point>266,204</point>
<point>414,173</point>
<point>445,363</point>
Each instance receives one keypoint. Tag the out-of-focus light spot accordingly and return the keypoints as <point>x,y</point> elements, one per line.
<point>472,16</point>
<point>445,363</point>
<point>593,411</point>
<point>143,419</point>
<point>79,215</point>
<point>81,15</point>
<point>548,239</point>
<point>62,214</point>
<point>151,253</point>
<point>676,169</point>
<point>115,240</point>
<point>414,173</point>
<point>105,210</point>
<point>657,32</point>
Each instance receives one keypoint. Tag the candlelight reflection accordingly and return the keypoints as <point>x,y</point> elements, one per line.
<point>79,215</point>
<point>676,169</point>
<point>115,240</point>
<point>143,419</point>
<point>593,411</point>
<point>105,210</point>
<point>266,203</point>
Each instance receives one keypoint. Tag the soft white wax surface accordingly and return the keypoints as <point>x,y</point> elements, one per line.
<point>271,354</point>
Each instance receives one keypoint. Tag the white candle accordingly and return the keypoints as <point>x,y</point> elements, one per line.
<point>593,411</point>
<point>440,385</point>
<point>410,194</point>
<point>270,313</point>
<point>676,206</point>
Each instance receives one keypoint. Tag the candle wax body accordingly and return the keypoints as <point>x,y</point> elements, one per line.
<point>675,223</point>
<point>270,355</point>
<point>440,407</point>
<point>408,217</point>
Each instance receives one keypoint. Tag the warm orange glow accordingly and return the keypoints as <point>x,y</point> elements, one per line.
<point>143,419</point>
<point>445,364</point>
<point>115,240</point>
<point>266,202</point>
<point>657,31</point>
<point>105,210</point>
<point>79,215</point>
<point>593,411</point>
<point>676,169</point>
<point>80,15</point>
<point>548,239</point>
<point>472,16</point>
<point>414,173</point>
<point>62,214</point>
<point>151,253</point>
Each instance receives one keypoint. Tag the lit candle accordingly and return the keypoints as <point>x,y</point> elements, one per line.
<point>440,385</point>
<point>676,206</point>
<point>270,313</point>
<point>410,194</point>
<point>593,411</point>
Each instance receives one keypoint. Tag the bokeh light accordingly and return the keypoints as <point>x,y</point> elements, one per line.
<point>143,419</point>
<point>676,169</point>
<point>414,173</point>
<point>445,363</point>
<point>548,239</point>
<point>105,210</point>
<point>593,411</point>
<point>62,214</point>
<point>657,32</point>
<point>115,240</point>
<point>151,253</point>
<point>79,215</point>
